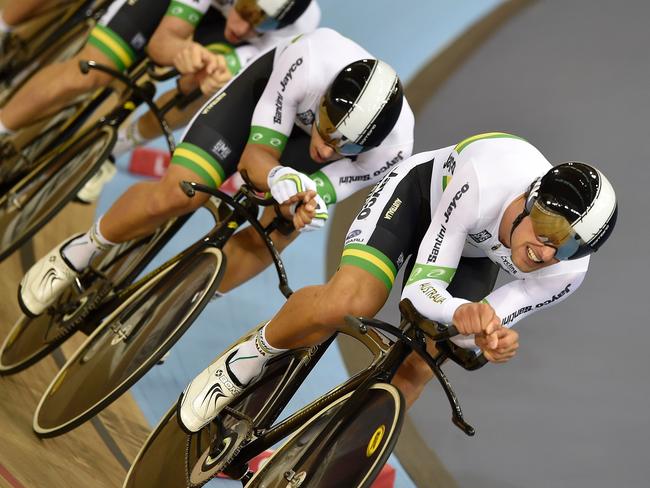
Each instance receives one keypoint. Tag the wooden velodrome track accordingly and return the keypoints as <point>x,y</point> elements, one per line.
<point>96,454</point>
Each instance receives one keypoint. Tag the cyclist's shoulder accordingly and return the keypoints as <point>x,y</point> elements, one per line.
<point>330,42</point>
<point>501,157</point>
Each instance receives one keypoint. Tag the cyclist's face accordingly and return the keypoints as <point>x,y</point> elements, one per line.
<point>237,29</point>
<point>529,253</point>
<point>319,150</point>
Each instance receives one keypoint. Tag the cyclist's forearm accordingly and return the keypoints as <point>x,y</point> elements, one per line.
<point>163,48</point>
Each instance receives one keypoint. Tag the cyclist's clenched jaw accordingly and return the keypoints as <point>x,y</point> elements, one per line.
<point>528,252</point>
<point>319,150</point>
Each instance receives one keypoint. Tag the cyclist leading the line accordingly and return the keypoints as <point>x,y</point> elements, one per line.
<point>321,104</point>
<point>492,200</point>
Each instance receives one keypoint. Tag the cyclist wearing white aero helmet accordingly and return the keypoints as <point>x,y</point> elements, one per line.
<point>462,212</point>
<point>319,106</point>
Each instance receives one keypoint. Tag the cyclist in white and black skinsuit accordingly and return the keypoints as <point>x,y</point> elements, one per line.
<point>208,41</point>
<point>277,111</point>
<point>491,200</point>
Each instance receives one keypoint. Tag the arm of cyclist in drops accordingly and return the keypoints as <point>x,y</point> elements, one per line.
<point>437,259</point>
<point>271,126</point>
<point>344,177</point>
<point>172,45</point>
<point>521,298</point>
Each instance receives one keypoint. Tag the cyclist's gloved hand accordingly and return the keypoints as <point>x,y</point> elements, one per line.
<point>312,215</point>
<point>285,182</point>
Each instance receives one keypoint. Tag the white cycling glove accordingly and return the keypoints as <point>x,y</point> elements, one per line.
<point>320,216</point>
<point>285,182</point>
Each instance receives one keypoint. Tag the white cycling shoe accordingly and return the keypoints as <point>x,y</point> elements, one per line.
<point>207,394</point>
<point>90,192</point>
<point>45,281</point>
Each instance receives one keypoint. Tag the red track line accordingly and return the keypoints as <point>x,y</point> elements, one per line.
<point>4,472</point>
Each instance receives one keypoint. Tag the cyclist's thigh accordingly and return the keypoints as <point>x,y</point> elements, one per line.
<point>126,28</point>
<point>389,226</point>
<point>216,137</point>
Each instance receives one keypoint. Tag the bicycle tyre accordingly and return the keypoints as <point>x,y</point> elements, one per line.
<point>19,162</point>
<point>354,456</point>
<point>129,342</point>
<point>31,339</point>
<point>50,186</point>
<point>163,458</point>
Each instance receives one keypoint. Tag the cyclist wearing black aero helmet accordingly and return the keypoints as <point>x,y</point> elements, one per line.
<point>313,120</point>
<point>455,215</point>
<point>573,208</point>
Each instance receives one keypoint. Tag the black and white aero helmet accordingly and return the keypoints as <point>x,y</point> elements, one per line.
<point>360,107</point>
<point>574,208</point>
<point>268,15</point>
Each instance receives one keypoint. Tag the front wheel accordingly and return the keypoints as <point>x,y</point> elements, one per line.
<point>39,196</point>
<point>171,457</point>
<point>357,447</point>
<point>129,342</point>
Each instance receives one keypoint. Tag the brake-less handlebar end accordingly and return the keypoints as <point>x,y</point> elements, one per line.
<point>464,426</point>
<point>187,188</point>
<point>356,322</point>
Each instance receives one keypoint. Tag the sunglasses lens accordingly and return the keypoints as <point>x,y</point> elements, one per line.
<point>554,230</point>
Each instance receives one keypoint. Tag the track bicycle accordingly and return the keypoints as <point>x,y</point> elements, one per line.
<point>55,34</point>
<point>341,439</point>
<point>57,176</point>
<point>150,316</point>
<point>31,338</point>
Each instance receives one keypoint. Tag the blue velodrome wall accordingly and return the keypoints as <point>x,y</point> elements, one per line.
<point>405,34</point>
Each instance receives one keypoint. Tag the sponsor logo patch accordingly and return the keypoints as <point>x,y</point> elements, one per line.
<point>306,118</point>
<point>484,235</point>
<point>221,149</point>
<point>352,235</point>
<point>450,164</point>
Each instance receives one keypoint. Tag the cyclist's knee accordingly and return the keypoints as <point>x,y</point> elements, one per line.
<point>346,296</point>
<point>168,199</point>
<point>94,78</point>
